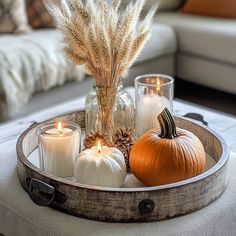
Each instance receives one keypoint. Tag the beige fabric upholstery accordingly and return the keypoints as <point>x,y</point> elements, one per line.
<point>209,37</point>
<point>163,65</point>
<point>162,42</point>
<point>13,17</point>
<point>207,72</point>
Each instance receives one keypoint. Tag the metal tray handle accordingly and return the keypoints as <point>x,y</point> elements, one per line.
<point>41,193</point>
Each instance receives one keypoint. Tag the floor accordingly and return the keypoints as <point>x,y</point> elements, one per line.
<point>207,97</point>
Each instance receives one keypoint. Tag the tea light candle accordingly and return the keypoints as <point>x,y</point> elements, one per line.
<point>59,148</point>
<point>101,166</point>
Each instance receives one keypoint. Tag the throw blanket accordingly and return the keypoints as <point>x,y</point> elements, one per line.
<point>30,63</point>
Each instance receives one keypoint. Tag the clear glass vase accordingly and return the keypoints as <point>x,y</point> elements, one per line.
<point>107,109</point>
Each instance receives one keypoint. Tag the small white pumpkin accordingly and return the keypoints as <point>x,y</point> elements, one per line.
<point>100,167</point>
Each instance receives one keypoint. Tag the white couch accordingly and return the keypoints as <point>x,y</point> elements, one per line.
<point>194,48</point>
<point>206,49</point>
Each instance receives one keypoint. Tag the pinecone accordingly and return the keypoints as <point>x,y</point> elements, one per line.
<point>94,136</point>
<point>124,140</point>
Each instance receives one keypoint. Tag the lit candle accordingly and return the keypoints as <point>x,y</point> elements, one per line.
<point>150,105</point>
<point>59,148</point>
<point>100,166</point>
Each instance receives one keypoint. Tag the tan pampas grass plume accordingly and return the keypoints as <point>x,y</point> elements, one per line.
<point>103,37</point>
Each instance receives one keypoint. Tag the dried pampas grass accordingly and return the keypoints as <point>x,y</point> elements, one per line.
<point>103,38</point>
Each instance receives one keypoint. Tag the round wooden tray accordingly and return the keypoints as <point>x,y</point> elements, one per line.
<point>127,204</point>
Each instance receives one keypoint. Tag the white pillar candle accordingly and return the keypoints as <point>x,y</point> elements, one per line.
<point>150,106</point>
<point>152,94</point>
<point>59,148</point>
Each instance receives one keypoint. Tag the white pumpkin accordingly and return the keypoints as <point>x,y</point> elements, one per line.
<point>105,167</point>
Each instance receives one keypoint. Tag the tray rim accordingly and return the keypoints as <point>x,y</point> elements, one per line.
<point>222,161</point>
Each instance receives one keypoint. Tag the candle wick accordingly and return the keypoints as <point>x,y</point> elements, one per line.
<point>99,151</point>
<point>60,132</point>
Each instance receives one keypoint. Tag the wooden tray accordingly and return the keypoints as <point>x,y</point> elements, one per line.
<point>128,204</point>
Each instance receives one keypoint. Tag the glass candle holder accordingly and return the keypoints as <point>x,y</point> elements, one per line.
<point>152,94</point>
<point>59,146</point>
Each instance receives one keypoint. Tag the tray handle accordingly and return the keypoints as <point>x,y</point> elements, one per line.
<point>197,117</point>
<point>41,193</point>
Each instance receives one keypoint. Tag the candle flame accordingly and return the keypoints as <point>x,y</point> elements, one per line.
<point>99,146</point>
<point>158,85</point>
<point>59,127</point>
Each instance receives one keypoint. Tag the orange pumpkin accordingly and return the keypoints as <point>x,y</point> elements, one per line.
<point>167,155</point>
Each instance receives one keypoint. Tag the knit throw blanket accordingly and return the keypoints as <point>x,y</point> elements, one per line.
<point>30,63</point>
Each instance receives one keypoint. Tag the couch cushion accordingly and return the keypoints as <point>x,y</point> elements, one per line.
<point>161,43</point>
<point>206,72</point>
<point>211,8</point>
<point>31,63</point>
<point>208,37</point>
<point>163,5</point>
<point>13,17</point>
<point>38,14</point>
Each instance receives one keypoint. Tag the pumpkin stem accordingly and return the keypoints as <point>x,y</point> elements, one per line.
<point>167,124</point>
